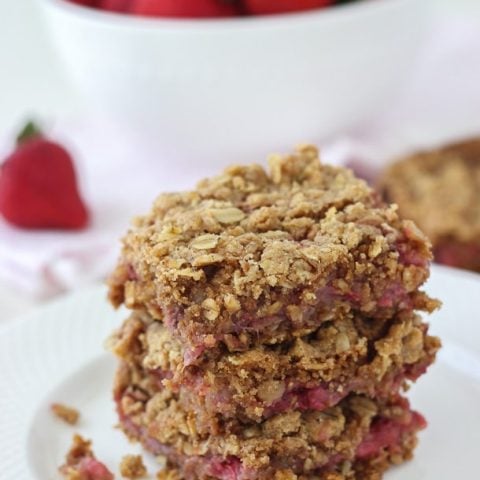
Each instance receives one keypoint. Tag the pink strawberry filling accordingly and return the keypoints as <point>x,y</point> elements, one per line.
<point>394,295</point>
<point>387,433</point>
<point>91,469</point>
<point>229,469</point>
<point>411,257</point>
<point>317,398</point>
<point>297,396</point>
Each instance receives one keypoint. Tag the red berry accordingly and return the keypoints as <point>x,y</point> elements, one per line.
<point>86,3</point>
<point>38,186</point>
<point>114,5</point>
<point>262,7</point>
<point>184,8</point>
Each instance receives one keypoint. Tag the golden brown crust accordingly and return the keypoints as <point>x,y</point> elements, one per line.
<point>250,255</point>
<point>67,414</point>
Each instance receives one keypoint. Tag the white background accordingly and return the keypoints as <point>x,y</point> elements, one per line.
<point>31,78</point>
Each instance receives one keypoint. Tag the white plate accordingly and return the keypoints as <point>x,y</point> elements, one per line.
<point>56,354</point>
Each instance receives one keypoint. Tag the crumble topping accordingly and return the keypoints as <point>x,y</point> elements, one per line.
<point>251,244</point>
<point>132,467</point>
<point>67,414</point>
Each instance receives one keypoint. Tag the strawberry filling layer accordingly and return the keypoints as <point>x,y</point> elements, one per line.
<point>297,396</point>
<point>394,296</point>
<point>318,398</point>
<point>91,469</point>
<point>386,433</point>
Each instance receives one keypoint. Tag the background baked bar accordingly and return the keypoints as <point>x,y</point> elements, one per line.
<point>440,191</point>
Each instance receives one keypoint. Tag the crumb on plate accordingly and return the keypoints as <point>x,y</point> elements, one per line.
<point>132,467</point>
<point>67,414</point>
<point>81,463</point>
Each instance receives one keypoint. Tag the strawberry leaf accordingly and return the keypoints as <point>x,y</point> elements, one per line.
<point>29,131</point>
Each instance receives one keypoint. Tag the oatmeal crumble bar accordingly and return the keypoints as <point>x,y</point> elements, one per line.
<point>132,467</point>
<point>306,442</point>
<point>311,372</point>
<point>67,414</point>
<point>81,463</point>
<point>253,256</point>
<point>274,327</point>
<point>440,190</point>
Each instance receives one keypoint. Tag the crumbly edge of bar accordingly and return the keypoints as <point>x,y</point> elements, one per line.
<point>439,190</point>
<point>252,243</point>
<point>337,356</point>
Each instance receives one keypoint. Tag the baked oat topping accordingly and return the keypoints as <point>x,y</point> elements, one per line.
<point>68,414</point>
<point>253,251</point>
<point>132,467</point>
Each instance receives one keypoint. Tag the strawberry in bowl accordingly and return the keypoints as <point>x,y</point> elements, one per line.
<point>205,8</point>
<point>184,8</point>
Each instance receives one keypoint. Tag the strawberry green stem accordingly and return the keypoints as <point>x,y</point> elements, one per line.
<point>29,131</point>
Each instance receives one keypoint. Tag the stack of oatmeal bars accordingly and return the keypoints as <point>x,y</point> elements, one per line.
<point>273,326</point>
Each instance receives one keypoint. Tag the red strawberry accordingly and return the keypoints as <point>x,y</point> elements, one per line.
<point>261,7</point>
<point>114,5</point>
<point>85,3</point>
<point>184,8</point>
<point>38,186</point>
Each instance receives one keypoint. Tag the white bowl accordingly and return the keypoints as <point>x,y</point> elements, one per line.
<point>234,89</point>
